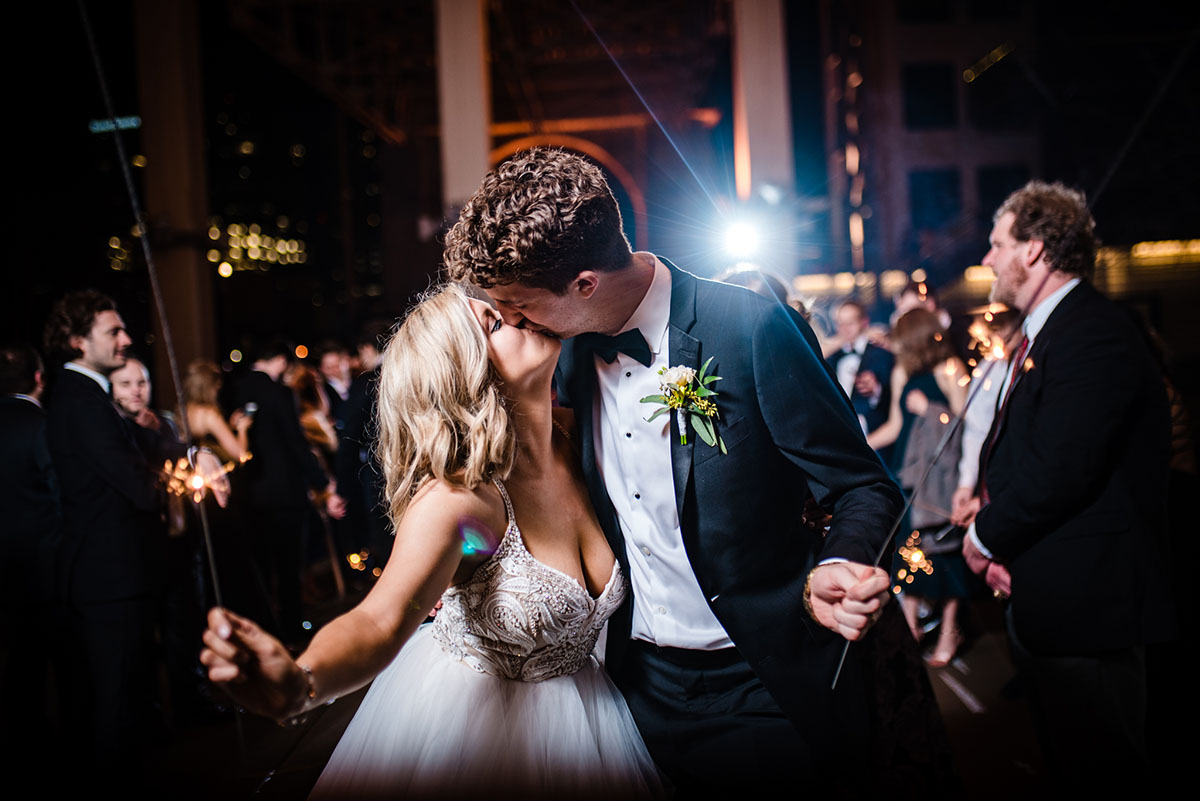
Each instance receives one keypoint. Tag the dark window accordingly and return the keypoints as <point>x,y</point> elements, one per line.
<point>935,197</point>
<point>995,184</point>
<point>1000,98</point>
<point>917,11</point>
<point>929,96</point>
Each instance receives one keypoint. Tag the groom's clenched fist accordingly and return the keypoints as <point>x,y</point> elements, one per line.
<point>846,597</point>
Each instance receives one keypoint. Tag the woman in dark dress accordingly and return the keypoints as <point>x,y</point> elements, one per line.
<point>929,388</point>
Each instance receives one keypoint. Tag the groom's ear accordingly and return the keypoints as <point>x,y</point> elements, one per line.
<point>585,283</point>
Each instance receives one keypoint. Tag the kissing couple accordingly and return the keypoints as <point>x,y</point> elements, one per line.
<point>537,496</point>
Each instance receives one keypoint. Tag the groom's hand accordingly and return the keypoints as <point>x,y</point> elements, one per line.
<point>847,597</point>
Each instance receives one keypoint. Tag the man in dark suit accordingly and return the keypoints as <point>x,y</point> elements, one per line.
<point>863,369</point>
<point>727,647</point>
<point>271,490</point>
<point>30,625</point>
<point>114,543</point>
<point>1071,520</point>
<point>359,476</point>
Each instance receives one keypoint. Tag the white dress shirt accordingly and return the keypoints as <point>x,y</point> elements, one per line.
<point>847,366</point>
<point>634,459</point>
<point>102,380</point>
<point>1034,322</point>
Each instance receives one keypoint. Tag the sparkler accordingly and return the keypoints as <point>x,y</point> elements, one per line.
<point>182,479</point>
<point>197,491</point>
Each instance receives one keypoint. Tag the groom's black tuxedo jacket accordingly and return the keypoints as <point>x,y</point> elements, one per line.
<point>789,431</point>
<point>1077,485</point>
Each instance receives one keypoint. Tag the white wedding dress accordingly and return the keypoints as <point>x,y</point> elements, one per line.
<point>500,695</point>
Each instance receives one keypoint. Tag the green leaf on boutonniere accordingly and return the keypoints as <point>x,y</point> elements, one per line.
<point>704,428</point>
<point>658,412</point>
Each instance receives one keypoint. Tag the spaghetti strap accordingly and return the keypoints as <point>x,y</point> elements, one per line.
<point>508,509</point>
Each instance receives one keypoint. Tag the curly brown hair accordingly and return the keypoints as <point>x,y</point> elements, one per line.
<point>73,315</point>
<point>540,218</point>
<point>1058,216</point>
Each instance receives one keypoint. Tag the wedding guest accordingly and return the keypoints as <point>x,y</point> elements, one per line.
<point>1001,335</point>
<point>185,593</point>
<point>1071,526</point>
<point>863,368</point>
<point>928,387</point>
<point>359,475</point>
<point>229,439</point>
<point>764,283</point>
<point>30,614</point>
<point>316,418</point>
<point>114,535</point>
<point>333,362</point>
<point>272,489</point>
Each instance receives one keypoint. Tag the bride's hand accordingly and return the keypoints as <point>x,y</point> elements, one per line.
<point>253,667</point>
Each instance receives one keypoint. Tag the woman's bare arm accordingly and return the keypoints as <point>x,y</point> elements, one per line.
<point>352,649</point>
<point>887,433</point>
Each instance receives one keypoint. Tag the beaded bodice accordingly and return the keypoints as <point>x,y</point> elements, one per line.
<point>520,619</point>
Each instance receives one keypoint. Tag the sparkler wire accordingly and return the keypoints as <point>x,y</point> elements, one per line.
<point>160,306</point>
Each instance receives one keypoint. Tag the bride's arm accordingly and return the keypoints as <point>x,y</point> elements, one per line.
<point>352,649</point>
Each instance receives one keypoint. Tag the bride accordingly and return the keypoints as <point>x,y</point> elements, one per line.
<point>502,691</point>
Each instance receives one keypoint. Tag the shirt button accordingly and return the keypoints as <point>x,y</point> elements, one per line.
<point>662,610</point>
<point>628,374</point>
<point>637,496</point>
<point>628,434</point>
<point>645,550</point>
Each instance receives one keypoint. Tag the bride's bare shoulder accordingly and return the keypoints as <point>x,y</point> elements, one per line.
<point>443,504</point>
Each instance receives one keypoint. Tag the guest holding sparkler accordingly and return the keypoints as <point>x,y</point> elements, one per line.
<point>114,538</point>
<point>1071,527</point>
<point>928,389</point>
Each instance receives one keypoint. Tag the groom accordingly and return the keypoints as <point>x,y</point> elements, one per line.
<point>727,648</point>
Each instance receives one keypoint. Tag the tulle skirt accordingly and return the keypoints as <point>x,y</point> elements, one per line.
<point>431,727</point>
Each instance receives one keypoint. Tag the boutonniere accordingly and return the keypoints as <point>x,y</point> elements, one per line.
<point>687,394</point>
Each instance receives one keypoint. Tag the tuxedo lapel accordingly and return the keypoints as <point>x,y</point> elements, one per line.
<point>683,350</point>
<point>582,391</point>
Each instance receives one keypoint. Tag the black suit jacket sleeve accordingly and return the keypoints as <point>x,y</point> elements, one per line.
<point>815,428</point>
<point>104,443</point>
<point>1075,402</point>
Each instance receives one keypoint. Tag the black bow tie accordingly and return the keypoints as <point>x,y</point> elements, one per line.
<point>630,342</point>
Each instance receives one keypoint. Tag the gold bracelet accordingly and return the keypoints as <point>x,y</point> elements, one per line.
<point>310,693</point>
<point>308,678</point>
<point>808,607</point>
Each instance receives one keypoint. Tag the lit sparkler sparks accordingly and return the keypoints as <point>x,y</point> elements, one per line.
<point>183,480</point>
<point>915,561</point>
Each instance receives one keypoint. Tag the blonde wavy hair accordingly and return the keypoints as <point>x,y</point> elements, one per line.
<point>441,412</point>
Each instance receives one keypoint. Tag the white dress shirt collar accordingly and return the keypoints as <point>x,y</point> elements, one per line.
<point>653,314</point>
<point>23,397</point>
<point>1036,319</point>
<point>102,380</point>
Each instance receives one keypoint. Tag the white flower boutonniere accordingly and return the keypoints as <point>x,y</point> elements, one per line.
<point>687,393</point>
